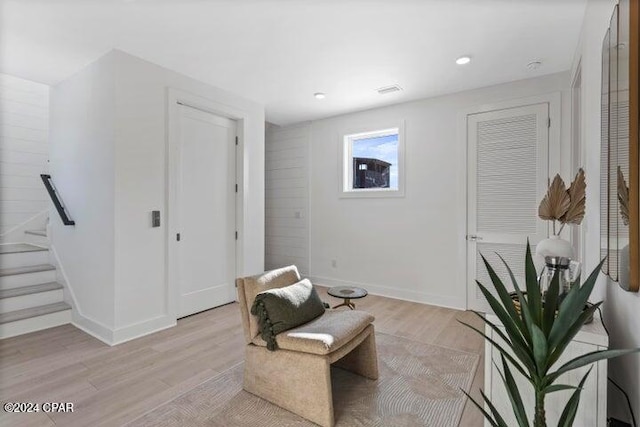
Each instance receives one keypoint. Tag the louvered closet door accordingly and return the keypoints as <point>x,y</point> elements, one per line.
<point>507,177</point>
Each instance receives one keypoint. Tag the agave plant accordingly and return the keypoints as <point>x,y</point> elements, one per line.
<point>535,338</point>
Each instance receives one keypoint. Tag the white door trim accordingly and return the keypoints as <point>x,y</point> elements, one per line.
<point>554,99</point>
<point>175,96</point>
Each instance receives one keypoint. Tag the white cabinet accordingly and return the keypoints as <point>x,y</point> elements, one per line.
<point>593,401</point>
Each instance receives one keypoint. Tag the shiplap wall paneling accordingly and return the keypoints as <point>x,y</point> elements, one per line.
<point>24,128</point>
<point>287,198</point>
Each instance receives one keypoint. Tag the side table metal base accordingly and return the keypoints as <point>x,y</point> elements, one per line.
<point>347,293</point>
<point>347,303</point>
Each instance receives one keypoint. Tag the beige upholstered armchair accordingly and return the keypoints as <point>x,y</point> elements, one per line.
<point>297,376</point>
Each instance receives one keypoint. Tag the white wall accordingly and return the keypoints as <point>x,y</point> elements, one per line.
<point>621,309</point>
<point>24,127</point>
<point>82,166</point>
<point>410,247</point>
<point>140,182</point>
<point>113,173</point>
<point>287,197</point>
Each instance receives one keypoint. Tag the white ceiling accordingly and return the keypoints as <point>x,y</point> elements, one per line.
<point>279,52</point>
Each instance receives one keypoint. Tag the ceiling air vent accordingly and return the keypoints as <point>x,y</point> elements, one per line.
<point>388,89</point>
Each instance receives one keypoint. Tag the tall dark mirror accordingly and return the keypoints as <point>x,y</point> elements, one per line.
<point>620,192</point>
<point>614,135</point>
<point>620,205</point>
<point>604,157</point>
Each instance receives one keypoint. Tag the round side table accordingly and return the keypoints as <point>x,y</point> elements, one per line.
<point>347,293</point>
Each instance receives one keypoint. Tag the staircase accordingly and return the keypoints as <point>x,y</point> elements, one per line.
<point>30,297</point>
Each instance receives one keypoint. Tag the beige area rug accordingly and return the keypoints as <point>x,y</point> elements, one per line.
<point>419,385</point>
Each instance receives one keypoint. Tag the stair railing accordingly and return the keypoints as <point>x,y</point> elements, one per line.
<point>57,201</point>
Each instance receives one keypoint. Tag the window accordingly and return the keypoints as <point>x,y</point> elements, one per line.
<point>372,163</point>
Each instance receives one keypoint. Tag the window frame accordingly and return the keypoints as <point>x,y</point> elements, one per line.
<point>346,159</point>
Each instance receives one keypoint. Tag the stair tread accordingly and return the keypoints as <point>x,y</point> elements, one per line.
<point>27,313</point>
<point>42,233</point>
<point>28,290</point>
<point>14,248</point>
<point>24,270</point>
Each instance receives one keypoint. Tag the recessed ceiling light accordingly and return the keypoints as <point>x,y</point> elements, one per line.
<point>534,65</point>
<point>463,60</point>
<point>388,89</point>
<point>319,95</point>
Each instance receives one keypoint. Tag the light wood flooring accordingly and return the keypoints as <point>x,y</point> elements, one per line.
<point>111,386</point>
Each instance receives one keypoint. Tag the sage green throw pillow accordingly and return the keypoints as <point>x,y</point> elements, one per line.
<point>280,309</point>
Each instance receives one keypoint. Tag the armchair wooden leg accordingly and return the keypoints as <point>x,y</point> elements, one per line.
<point>362,360</point>
<point>298,382</point>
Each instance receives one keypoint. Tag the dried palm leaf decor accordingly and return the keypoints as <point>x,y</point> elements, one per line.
<point>623,197</point>
<point>566,206</point>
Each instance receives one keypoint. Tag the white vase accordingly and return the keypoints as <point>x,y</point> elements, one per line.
<point>554,246</point>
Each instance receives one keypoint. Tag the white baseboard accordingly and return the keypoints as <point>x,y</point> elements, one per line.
<point>401,294</point>
<point>78,318</point>
<point>146,327</point>
<point>118,336</point>
<point>92,327</point>
<point>98,330</point>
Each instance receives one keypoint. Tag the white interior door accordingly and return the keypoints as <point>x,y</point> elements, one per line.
<point>508,168</point>
<point>205,203</point>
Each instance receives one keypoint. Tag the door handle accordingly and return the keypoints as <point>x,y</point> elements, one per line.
<point>473,237</point>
